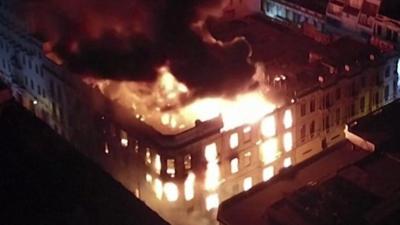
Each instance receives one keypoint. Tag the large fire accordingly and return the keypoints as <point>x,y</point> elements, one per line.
<point>167,104</point>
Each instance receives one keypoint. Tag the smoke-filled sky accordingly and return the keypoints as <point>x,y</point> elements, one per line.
<point>130,39</point>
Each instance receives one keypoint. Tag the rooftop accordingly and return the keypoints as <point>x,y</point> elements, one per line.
<point>253,203</point>
<point>358,194</point>
<point>287,52</point>
<point>335,201</point>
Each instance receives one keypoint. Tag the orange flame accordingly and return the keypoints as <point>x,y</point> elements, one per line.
<point>160,104</point>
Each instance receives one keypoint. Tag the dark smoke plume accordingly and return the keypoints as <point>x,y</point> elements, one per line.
<point>130,39</point>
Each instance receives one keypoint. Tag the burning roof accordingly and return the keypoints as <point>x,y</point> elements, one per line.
<point>167,104</point>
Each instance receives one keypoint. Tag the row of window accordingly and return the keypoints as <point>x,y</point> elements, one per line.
<point>38,68</point>
<point>172,194</point>
<point>267,173</point>
<point>390,35</point>
<point>351,113</point>
<point>276,10</point>
<point>327,98</point>
<point>154,161</point>
<point>268,152</point>
<point>169,190</point>
<point>55,96</point>
<point>212,201</point>
<point>211,156</point>
<point>30,83</point>
<point>268,129</point>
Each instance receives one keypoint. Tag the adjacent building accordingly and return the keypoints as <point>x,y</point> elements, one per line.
<point>387,24</point>
<point>374,21</point>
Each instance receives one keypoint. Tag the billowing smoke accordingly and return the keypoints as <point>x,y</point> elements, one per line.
<point>131,39</point>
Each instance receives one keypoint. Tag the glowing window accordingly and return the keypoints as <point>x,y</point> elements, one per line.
<point>148,156</point>
<point>269,151</point>
<point>189,186</point>
<point>287,162</point>
<point>158,188</point>
<point>124,139</point>
<point>106,149</point>
<point>212,173</point>
<point>124,142</point>
<point>187,161</point>
<point>268,127</point>
<point>136,146</point>
<point>268,173</point>
<point>137,193</point>
<point>157,163</point>
<point>288,141</point>
<point>234,165</point>
<point>287,119</point>
<point>247,183</point>
<point>166,119</point>
<point>234,140</point>
<point>171,167</point>
<point>212,177</point>
<point>212,202</point>
<point>247,133</point>
<point>211,152</point>
<point>149,178</point>
<point>171,191</point>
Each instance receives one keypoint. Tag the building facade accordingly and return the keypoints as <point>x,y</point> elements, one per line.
<point>372,21</point>
<point>387,25</point>
<point>296,13</point>
<point>185,176</point>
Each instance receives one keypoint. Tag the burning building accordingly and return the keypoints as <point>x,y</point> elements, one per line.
<point>183,151</point>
